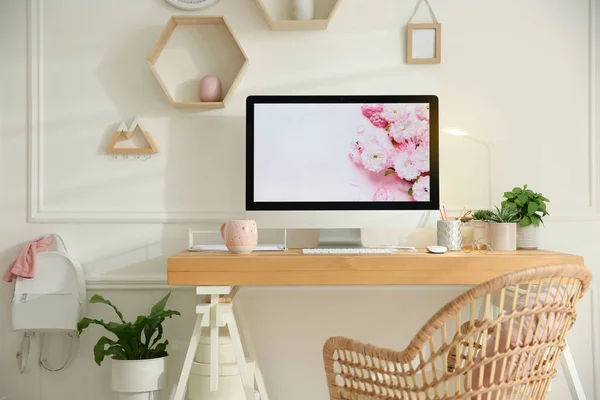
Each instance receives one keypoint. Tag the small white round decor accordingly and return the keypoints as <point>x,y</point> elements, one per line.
<point>191,5</point>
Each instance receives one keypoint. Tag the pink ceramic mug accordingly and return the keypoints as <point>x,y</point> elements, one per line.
<point>241,236</point>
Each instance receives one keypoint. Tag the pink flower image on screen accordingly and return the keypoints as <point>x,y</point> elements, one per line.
<point>340,152</point>
<point>369,109</point>
<point>394,151</point>
<point>421,189</point>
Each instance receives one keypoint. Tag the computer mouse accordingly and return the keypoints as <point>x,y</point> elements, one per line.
<point>437,249</point>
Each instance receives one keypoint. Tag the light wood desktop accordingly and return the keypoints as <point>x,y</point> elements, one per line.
<point>216,274</point>
<point>402,268</point>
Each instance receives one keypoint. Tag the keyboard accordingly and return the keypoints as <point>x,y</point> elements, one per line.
<point>347,251</point>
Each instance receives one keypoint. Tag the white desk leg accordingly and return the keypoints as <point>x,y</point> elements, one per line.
<point>573,381</point>
<point>214,344</point>
<point>260,382</point>
<point>189,359</point>
<point>238,313</point>
<point>240,356</point>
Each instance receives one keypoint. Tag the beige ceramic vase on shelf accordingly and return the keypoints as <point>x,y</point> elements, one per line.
<point>241,236</point>
<point>211,89</point>
<point>503,236</point>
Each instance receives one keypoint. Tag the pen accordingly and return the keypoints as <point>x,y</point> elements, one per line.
<point>445,212</point>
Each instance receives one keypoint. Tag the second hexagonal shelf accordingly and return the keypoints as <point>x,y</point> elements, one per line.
<point>280,14</point>
<point>191,47</point>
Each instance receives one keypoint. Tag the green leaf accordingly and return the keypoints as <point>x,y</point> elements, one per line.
<point>161,346</point>
<point>117,351</point>
<point>517,190</point>
<point>160,306</point>
<point>532,208</point>
<point>523,198</point>
<point>99,299</point>
<point>86,322</point>
<point>158,336</point>
<point>509,195</point>
<point>389,171</point>
<point>410,192</point>
<point>134,340</point>
<point>525,187</point>
<point>526,221</point>
<point>99,349</point>
<point>536,219</point>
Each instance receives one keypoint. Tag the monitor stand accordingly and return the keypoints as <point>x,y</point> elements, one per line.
<point>340,238</point>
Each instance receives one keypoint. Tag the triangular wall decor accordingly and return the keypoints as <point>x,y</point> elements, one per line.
<point>124,133</point>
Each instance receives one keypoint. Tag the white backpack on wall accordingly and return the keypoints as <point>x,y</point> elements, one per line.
<point>52,302</point>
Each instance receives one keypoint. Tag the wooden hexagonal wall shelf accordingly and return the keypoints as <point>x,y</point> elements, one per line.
<point>191,47</point>
<point>280,14</point>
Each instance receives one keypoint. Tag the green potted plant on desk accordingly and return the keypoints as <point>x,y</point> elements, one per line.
<point>503,229</point>
<point>480,225</point>
<point>138,355</point>
<point>531,208</point>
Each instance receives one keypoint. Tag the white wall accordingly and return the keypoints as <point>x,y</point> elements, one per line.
<point>517,73</point>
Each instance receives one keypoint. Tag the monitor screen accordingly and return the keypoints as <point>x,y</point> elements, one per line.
<point>354,152</point>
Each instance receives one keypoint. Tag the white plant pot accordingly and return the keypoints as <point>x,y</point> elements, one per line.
<point>480,230</point>
<point>528,237</point>
<point>503,236</point>
<point>304,9</point>
<point>134,379</point>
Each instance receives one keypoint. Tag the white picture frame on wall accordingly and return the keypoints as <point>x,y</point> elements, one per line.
<point>424,43</point>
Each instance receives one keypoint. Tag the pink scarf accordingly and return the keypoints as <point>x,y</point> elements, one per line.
<point>24,264</point>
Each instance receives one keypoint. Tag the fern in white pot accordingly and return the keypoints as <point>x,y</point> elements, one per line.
<point>531,207</point>
<point>137,353</point>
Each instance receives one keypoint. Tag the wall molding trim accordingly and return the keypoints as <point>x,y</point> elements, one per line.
<point>595,299</point>
<point>35,135</point>
<point>133,282</point>
<point>133,217</point>
<point>35,132</point>
<point>594,110</point>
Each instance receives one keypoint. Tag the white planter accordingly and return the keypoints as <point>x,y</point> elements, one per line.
<point>134,379</point>
<point>304,9</point>
<point>528,237</point>
<point>503,236</point>
<point>480,230</point>
<point>230,383</point>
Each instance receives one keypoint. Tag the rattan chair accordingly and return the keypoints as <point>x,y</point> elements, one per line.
<point>500,340</point>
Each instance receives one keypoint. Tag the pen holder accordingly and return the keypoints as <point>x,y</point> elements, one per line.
<point>449,234</point>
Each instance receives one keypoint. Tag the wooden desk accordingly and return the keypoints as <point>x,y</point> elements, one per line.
<point>403,268</point>
<point>215,274</point>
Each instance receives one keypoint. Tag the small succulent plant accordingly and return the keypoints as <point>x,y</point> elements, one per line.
<point>503,215</point>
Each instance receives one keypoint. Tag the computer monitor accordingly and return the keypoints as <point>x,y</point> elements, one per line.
<point>341,161</point>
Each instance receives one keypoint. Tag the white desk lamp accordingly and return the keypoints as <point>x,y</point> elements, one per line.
<point>488,146</point>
